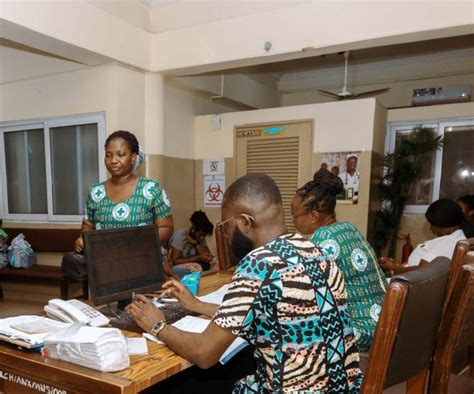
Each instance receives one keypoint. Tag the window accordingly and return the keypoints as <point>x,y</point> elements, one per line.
<point>449,172</point>
<point>48,165</point>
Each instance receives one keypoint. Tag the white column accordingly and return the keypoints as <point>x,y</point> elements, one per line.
<point>154,114</point>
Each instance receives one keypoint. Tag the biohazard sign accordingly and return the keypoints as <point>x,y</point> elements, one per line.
<point>214,188</point>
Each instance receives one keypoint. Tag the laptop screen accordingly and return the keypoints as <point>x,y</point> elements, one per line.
<point>123,261</point>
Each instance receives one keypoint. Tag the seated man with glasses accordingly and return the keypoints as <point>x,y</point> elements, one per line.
<point>286,298</point>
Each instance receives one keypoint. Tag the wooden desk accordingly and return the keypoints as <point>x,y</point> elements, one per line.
<point>23,372</point>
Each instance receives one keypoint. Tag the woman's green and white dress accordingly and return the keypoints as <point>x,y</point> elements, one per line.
<point>148,203</point>
<point>365,281</point>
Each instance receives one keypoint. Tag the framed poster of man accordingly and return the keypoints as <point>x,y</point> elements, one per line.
<point>345,166</point>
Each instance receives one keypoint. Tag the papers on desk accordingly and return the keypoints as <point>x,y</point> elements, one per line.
<point>28,331</point>
<point>137,346</point>
<point>215,297</point>
<point>104,349</point>
<point>198,325</point>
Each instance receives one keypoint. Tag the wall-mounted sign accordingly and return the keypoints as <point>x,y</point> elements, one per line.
<point>216,122</point>
<point>214,188</point>
<point>260,131</point>
<point>275,130</point>
<point>213,167</point>
<point>249,133</point>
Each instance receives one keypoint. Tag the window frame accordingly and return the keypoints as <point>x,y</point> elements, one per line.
<point>46,124</point>
<point>439,124</point>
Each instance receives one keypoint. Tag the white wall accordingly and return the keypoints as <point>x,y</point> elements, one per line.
<point>181,106</point>
<point>341,126</point>
<point>460,110</point>
<point>160,114</point>
<point>154,113</point>
<point>314,24</point>
<point>116,90</point>
<point>130,95</point>
<point>74,92</point>
<point>17,64</point>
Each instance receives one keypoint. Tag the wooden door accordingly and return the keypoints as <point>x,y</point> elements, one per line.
<point>282,151</point>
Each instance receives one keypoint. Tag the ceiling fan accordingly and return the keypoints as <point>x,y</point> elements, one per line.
<point>346,94</point>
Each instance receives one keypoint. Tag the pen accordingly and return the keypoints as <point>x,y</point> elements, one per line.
<point>167,300</point>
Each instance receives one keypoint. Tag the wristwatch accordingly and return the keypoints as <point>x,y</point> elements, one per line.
<point>157,327</point>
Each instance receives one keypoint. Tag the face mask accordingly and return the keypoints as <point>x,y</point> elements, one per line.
<point>240,245</point>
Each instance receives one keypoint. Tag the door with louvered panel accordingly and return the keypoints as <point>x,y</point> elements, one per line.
<point>282,151</point>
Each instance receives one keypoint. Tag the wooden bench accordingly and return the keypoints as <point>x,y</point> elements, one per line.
<point>44,240</point>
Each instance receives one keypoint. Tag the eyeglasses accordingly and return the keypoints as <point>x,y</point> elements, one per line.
<point>298,215</point>
<point>223,227</point>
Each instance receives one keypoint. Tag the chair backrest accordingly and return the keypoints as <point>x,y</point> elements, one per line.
<point>460,251</point>
<point>406,332</point>
<point>457,328</point>
<point>224,256</point>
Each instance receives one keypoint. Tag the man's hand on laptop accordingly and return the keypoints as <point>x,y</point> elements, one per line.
<point>176,289</point>
<point>144,312</point>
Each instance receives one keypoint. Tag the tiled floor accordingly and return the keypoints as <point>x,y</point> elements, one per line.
<point>14,308</point>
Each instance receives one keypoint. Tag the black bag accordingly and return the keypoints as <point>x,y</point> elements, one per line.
<point>74,266</point>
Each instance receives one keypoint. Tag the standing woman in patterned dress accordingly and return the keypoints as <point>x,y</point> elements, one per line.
<point>125,199</point>
<point>313,210</point>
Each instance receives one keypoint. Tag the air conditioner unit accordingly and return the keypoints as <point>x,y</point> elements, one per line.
<point>441,95</point>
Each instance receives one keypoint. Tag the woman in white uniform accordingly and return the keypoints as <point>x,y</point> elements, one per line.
<point>445,218</point>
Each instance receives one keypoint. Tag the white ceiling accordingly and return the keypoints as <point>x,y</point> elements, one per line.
<point>158,16</point>
<point>426,59</point>
<point>300,79</point>
<point>185,13</point>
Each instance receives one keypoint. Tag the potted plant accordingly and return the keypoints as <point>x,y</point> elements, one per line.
<point>403,168</point>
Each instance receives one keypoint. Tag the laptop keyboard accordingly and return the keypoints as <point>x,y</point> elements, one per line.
<point>172,312</point>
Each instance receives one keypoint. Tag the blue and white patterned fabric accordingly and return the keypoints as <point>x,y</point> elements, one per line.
<point>288,300</point>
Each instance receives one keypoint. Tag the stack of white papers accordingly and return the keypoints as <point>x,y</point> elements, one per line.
<point>104,349</point>
<point>28,331</point>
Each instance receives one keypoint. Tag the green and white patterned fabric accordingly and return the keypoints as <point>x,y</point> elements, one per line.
<point>148,203</point>
<point>365,282</point>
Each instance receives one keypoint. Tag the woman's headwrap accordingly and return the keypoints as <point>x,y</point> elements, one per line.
<point>139,160</point>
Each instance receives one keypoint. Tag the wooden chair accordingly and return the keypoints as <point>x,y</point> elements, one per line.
<point>465,356</point>
<point>457,332</point>
<point>406,332</point>
<point>224,255</point>
<point>460,251</point>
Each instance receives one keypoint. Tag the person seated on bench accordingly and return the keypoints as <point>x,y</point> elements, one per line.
<point>188,249</point>
<point>125,199</point>
<point>313,211</point>
<point>286,298</point>
<point>445,218</point>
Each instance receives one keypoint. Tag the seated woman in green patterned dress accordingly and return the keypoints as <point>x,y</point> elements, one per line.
<point>125,199</point>
<point>313,210</point>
